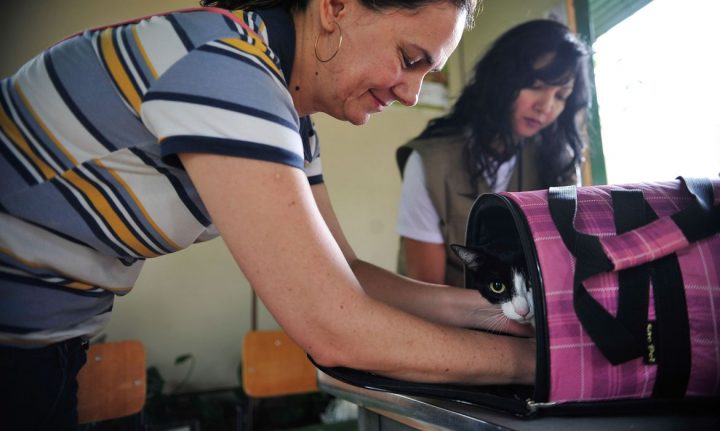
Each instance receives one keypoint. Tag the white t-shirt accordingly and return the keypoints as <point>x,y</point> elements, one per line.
<point>417,217</point>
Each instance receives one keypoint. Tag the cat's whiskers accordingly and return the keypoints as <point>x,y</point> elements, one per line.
<point>493,321</point>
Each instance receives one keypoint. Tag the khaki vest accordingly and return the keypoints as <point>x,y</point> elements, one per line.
<point>452,194</point>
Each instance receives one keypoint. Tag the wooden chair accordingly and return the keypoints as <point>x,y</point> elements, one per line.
<point>273,365</point>
<point>112,384</point>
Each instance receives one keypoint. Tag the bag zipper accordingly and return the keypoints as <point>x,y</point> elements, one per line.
<point>533,407</point>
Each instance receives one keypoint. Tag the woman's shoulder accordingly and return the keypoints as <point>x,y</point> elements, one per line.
<point>445,147</point>
<point>438,150</point>
<point>436,143</point>
<point>199,25</point>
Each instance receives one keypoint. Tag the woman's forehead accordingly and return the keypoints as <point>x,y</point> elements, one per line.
<point>434,28</point>
<point>548,67</point>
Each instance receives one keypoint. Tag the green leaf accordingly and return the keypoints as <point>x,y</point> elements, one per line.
<point>183,358</point>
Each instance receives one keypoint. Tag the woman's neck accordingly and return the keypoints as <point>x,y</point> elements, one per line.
<point>301,84</point>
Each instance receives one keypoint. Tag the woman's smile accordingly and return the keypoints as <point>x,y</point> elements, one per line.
<point>380,103</point>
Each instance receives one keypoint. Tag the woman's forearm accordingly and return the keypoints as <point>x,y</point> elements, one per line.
<point>438,303</point>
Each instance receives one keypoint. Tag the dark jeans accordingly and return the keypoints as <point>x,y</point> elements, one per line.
<point>38,387</point>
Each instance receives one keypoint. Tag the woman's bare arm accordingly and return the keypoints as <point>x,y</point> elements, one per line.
<point>424,261</point>
<point>268,217</point>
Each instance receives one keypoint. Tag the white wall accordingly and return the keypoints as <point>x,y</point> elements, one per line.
<point>197,301</point>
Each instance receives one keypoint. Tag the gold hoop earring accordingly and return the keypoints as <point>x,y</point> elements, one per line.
<point>321,60</point>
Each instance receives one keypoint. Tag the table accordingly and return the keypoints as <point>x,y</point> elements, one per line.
<point>388,411</point>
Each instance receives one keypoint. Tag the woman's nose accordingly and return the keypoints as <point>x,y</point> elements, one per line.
<point>408,90</point>
<point>543,104</point>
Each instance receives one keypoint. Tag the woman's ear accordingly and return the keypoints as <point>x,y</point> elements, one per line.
<point>331,11</point>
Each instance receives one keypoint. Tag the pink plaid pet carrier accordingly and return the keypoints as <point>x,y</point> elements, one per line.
<point>626,286</point>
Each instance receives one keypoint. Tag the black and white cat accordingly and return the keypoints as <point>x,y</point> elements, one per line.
<point>501,277</point>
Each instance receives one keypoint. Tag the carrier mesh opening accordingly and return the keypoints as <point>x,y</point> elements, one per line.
<point>494,217</point>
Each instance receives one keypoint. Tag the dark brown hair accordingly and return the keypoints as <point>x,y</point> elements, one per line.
<point>300,5</point>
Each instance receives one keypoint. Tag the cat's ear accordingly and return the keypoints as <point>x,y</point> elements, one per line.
<point>471,258</point>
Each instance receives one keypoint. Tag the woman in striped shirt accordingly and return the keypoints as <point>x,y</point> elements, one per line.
<point>139,139</point>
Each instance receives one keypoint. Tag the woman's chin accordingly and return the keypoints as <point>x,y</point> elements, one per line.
<point>357,119</point>
<point>361,121</point>
<point>353,113</point>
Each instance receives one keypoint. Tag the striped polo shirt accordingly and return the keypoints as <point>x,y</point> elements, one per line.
<point>90,184</point>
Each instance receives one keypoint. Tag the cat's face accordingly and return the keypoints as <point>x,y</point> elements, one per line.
<point>501,278</point>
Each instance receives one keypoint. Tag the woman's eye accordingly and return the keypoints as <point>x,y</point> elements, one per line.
<point>497,287</point>
<point>407,61</point>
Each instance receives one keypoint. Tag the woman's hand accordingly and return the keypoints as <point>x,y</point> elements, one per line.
<point>487,316</point>
<point>464,308</point>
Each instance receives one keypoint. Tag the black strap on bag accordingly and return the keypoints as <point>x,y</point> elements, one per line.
<point>701,219</point>
<point>671,335</point>
<point>633,283</point>
<point>623,338</point>
<point>615,341</point>
<point>665,342</point>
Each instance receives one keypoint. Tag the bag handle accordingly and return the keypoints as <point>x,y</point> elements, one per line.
<point>699,220</point>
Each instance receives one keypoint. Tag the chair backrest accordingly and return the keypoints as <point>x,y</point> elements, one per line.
<point>273,365</point>
<point>112,384</point>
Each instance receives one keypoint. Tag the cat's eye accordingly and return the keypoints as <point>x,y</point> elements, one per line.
<point>497,287</point>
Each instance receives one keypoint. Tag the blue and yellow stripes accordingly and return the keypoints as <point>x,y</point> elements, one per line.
<point>142,210</point>
<point>37,149</point>
<point>90,185</point>
<point>253,38</point>
<point>143,53</point>
<point>43,272</point>
<point>118,229</point>
<point>257,50</point>
<point>118,68</point>
<point>28,161</point>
